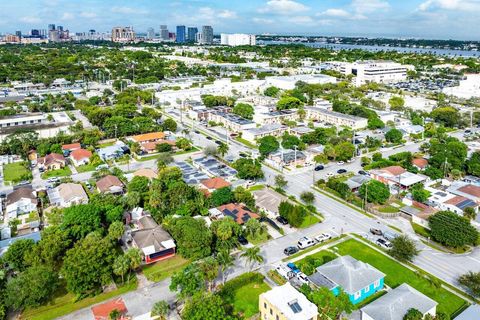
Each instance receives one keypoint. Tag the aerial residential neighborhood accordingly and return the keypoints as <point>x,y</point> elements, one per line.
<point>323,164</point>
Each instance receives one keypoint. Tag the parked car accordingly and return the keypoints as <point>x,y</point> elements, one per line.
<point>209,138</point>
<point>323,237</point>
<point>389,235</point>
<point>302,277</point>
<point>330,174</point>
<point>197,132</point>
<point>293,267</point>
<point>340,171</point>
<point>363,173</point>
<point>319,167</point>
<point>376,232</point>
<point>340,162</point>
<point>282,220</point>
<point>243,155</point>
<point>285,271</point>
<point>102,166</point>
<point>305,242</point>
<point>218,142</point>
<point>242,240</point>
<point>384,243</point>
<point>288,251</point>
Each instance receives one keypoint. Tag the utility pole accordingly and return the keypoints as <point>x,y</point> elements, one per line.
<point>423,131</point>
<point>471,119</point>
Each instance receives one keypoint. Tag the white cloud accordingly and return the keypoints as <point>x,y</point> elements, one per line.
<point>129,10</point>
<point>67,16</point>
<point>263,20</point>
<point>31,19</point>
<point>459,5</point>
<point>227,14</point>
<point>88,15</point>
<point>336,13</point>
<point>301,20</point>
<point>363,7</point>
<point>283,7</point>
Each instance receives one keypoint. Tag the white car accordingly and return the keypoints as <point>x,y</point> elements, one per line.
<point>302,277</point>
<point>305,242</point>
<point>340,162</point>
<point>384,243</point>
<point>323,237</point>
<point>285,271</point>
<point>330,174</point>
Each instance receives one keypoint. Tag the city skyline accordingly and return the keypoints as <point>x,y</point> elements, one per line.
<point>435,19</point>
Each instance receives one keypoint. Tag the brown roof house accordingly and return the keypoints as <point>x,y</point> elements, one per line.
<point>71,147</point>
<point>469,191</point>
<point>52,161</point>
<point>145,172</point>
<point>110,184</point>
<point>155,243</point>
<point>102,311</point>
<point>420,163</point>
<point>80,157</point>
<point>67,195</point>
<point>239,212</point>
<point>20,201</point>
<point>148,137</point>
<point>213,184</point>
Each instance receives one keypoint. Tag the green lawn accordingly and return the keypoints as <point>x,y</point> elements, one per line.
<point>309,221</point>
<point>163,269</point>
<point>16,172</point>
<point>256,187</point>
<point>64,303</point>
<point>259,240</point>
<point>246,142</point>
<point>87,167</point>
<point>64,172</point>
<point>396,274</point>
<point>302,252</point>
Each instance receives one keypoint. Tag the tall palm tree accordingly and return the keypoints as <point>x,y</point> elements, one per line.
<point>222,148</point>
<point>225,260</point>
<point>252,255</point>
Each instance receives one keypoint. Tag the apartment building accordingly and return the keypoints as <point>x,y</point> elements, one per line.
<point>238,39</point>
<point>376,71</point>
<point>254,134</point>
<point>123,34</point>
<point>335,118</point>
<point>230,121</point>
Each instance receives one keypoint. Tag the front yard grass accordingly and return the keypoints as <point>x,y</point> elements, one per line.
<point>16,172</point>
<point>259,239</point>
<point>396,274</point>
<point>309,220</point>
<point>163,269</point>
<point>87,167</point>
<point>64,172</point>
<point>64,303</point>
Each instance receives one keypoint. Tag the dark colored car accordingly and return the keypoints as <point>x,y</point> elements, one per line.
<point>376,232</point>
<point>218,142</point>
<point>242,240</point>
<point>290,250</point>
<point>341,171</point>
<point>209,138</point>
<point>197,132</point>
<point>319,167</point>
<point>243,155</point>
<point>363,173</point>
<point>282,220</point>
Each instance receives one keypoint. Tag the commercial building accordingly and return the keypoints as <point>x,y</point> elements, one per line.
<point>181,34</point>
<point>238,39</point>
<point>150,34</point>
<point>286,303</point>
<point>289,82</point>
<point>206,36</point>
<point>335,118</point>
<point>376,71</point>
<point>123,34</point>
<point>192,34</point>
<point>24,120</point>
<point>164,35</point>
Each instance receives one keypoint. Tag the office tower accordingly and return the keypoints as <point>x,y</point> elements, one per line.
<point>164,32</point>
<point>60,28</point>
<point>192,34</point>
<point>150,34</point>
<point>51,27</point>
<point>207,35</point>
<point>123,34</point>
<point>35,32</point>
<point>238,39</point>
<point>54,35</point>
<point>181,36</point>
<point>18,34</point>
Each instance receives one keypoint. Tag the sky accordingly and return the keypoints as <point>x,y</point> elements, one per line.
<point>432,19</point>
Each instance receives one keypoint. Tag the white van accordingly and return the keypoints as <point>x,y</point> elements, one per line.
<point>285,271</point>
<point>305,242</point>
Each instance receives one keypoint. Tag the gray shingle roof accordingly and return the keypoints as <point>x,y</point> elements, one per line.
<point>350,274</point>
<point>395,304</point>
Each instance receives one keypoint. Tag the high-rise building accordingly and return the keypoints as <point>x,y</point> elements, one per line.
<point>123,34</point>
<point>51,27</point>
<point>60,28</point>
<point>181,34</point>
<point>53,36</point>
<point>150,34</point>
<point>238,39</point>
<point>164,32</point>
<point>18,33</point>
<point>192,34</point>
<point>207,35</point>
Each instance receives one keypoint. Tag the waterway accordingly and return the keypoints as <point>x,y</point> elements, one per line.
<point>332,46</point>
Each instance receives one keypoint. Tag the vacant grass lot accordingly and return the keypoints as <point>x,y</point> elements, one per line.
<point>396,274</point>
<point>163,269</point>
<point>64,172</point>
<point>15,172</point>
<point>64,303</point>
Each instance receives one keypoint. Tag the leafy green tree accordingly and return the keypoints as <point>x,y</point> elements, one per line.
<point>163,147</point>
<point>473,164</point>
<point>339,186</point>
<point>244,110</point>
<point>188,281</point>
<point>403,248</point>
<point>139,184</point>
<point>80,220</point>
<point>419,193</point>
<point>51,248</point>
<point>252,256</point>
<point>254,228</point>
<point>31,288</point>
<point>394,136</point>
<point>17,253</point>
<point>396,103</point>
<point>248,169</point>
<point>267,145</point>
<point>88,265</point>
<point>163,160</point>
<point>413,314</point>
<point>344,151</point>
<point>271,91</point>
<point>289,103</point>
<point>291,141</point>
<point>295,215</point>
<point>184,144</point>
<point>452,230</point>
<point>226,261</point>
<point>160,309</point>
<point>221,196</point>
<point>375,123</point>
<point>169,125</point>
<point>448,116</point>
<point>469,213</point>
<point>205,306</point>
<point>374,191</point>
<point>244,196</point>
<point>329,306</point>
<point>116,230</point>
<point>225,233</point>
<point>121,265</point>
<point>307,197</point>
<point>280,181</point>
<point>134,256</point>
<point>471,280</point>
<point>192,236</point>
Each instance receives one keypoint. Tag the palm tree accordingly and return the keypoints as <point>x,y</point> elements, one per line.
<point>252,255</point>
<point>254,228</point>
<point>469,213</point>
<point>225,260</point>
<point>160,309</point>
<point>121,266</point>
<point>222,148</point>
